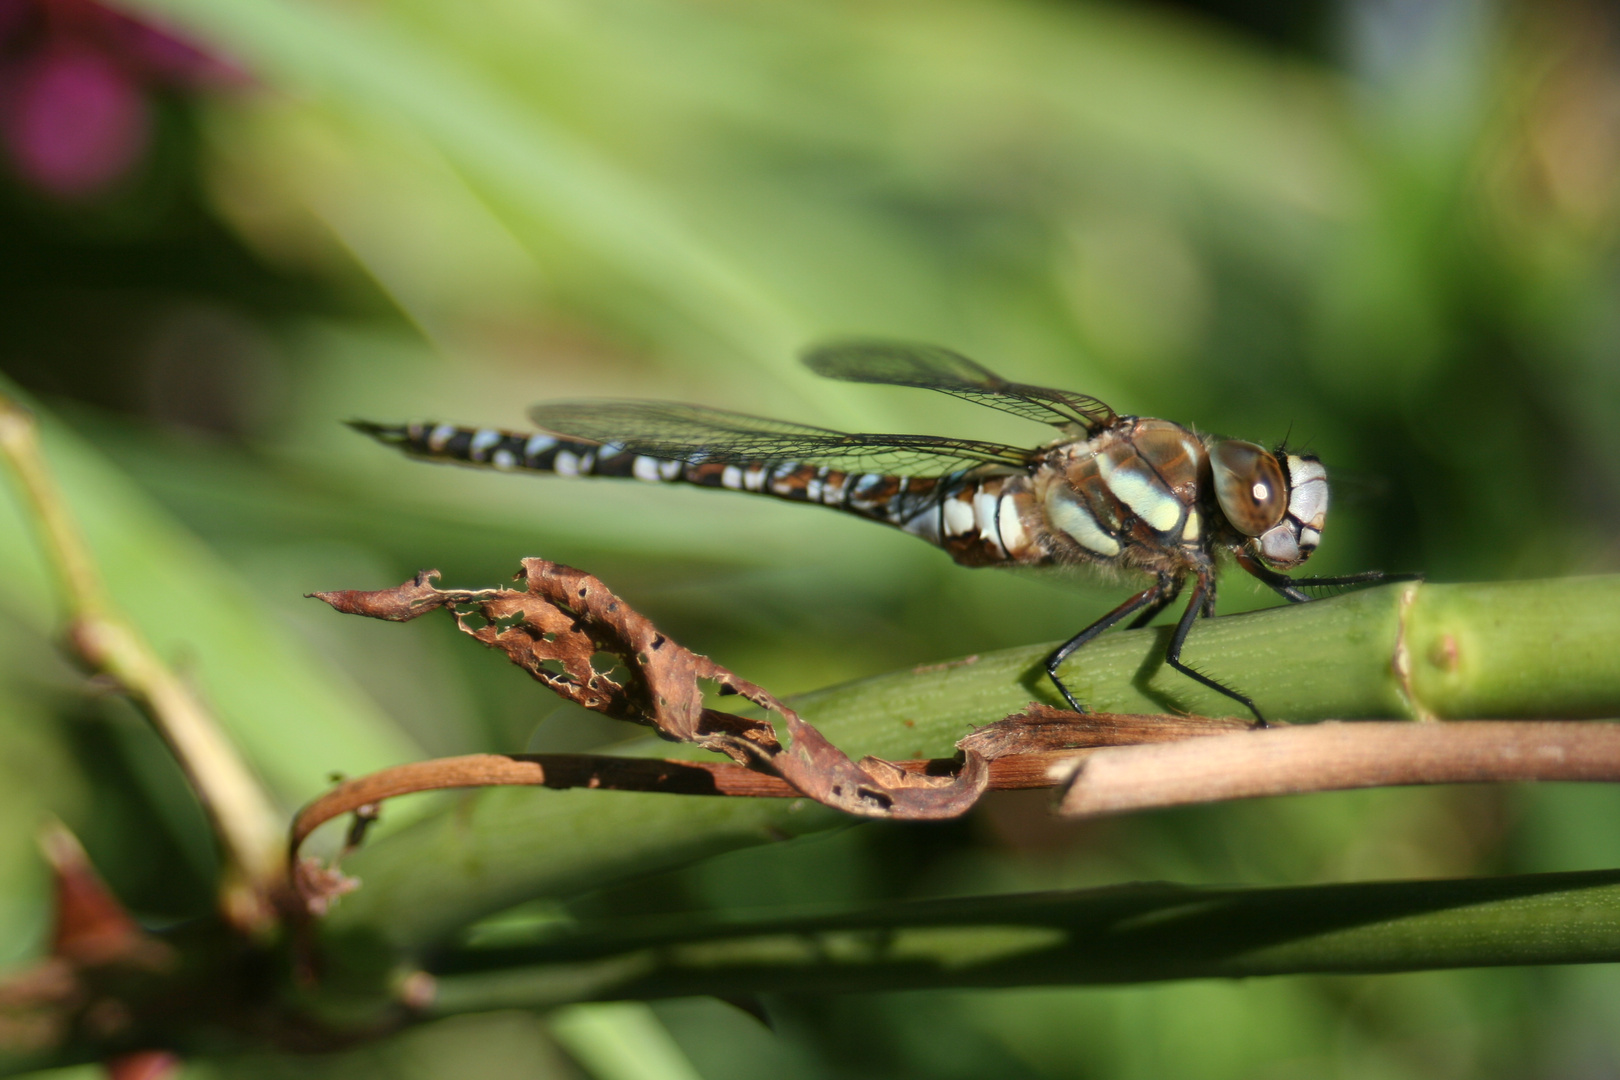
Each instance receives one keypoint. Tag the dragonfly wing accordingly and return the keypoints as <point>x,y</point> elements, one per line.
<point>931,367</point>
<point>694,434</point>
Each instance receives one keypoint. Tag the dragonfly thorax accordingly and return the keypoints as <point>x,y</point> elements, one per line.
<point>1130,494</point>
<point>1152,494</point>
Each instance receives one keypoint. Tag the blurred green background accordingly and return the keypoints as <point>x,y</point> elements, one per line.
<point>1386,229</point>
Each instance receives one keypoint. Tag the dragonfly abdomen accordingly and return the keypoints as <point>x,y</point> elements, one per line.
<point>492,448</point>
<point>508,451</point>
<point>979,521</point>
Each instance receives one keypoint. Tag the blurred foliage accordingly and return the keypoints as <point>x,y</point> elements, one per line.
<point>1385,229</point>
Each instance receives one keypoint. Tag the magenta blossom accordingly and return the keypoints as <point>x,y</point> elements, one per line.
<point>75,79</point>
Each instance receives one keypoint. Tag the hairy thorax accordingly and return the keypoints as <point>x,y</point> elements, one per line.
<point>1130,497</point>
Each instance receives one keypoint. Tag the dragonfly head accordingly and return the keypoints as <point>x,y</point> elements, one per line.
<point>1276,499</point>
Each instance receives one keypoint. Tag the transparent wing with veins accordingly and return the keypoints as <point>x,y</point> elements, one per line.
<point>694,434</point>
<point>935,368</point>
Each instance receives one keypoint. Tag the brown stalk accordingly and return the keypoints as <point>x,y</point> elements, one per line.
<point>1335,756</point>
<point>1038,748</point>
<point>1110,763</point>
<point>607,772</point>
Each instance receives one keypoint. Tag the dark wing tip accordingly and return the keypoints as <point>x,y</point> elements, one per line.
<point>829,358</point>
<point>894,362</point>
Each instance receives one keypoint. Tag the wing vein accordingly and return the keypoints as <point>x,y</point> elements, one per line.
<point>695,434</point>
<point>934,368</point>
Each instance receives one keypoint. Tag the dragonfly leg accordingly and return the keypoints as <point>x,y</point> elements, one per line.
<point>1366,577</point>
<point>1288,588</point>
<point>1200,603</point>
<point>1169,589</point>
<point>1147,598</point>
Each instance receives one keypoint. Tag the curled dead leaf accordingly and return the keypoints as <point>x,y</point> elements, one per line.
<point>559,628</point>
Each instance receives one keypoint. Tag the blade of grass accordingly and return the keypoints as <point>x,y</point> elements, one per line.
<point>348,58</point>
<point>1135,933</point>
<point>621,1041</point>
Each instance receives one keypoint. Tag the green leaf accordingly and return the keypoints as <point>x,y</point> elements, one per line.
<point>1131,933</point>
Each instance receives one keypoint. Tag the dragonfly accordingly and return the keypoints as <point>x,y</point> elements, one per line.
<point>1115,491</point>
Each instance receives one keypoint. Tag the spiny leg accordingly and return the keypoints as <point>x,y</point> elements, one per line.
<point>1198,604</point>
<point>1148,597</point>
<point>1366,577</point>
<point>1288,588</point>
<point>1168,591</point>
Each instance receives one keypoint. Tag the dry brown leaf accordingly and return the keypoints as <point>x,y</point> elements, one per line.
<point>558,626</point>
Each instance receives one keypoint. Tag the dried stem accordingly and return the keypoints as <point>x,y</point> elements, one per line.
<point>610,773</point>
<point>242,814</point>
<point>1337,756</point>
<point>1110,763</point>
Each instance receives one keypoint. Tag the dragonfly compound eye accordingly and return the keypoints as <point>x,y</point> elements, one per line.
<point>1249,485</point>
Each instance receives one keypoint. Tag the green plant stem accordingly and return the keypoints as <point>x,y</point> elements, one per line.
<point>242,814</point>
<point>1347,657</point>
<point>1137,933</point>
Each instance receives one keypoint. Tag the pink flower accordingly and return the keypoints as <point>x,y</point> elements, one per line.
<point>75,84</point>
<point>76,123</point>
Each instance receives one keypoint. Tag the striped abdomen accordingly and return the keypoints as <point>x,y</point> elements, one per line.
<point>978,519</point>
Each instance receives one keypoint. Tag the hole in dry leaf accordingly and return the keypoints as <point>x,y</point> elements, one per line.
<point>606,664</point>
<point>713,690</point>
